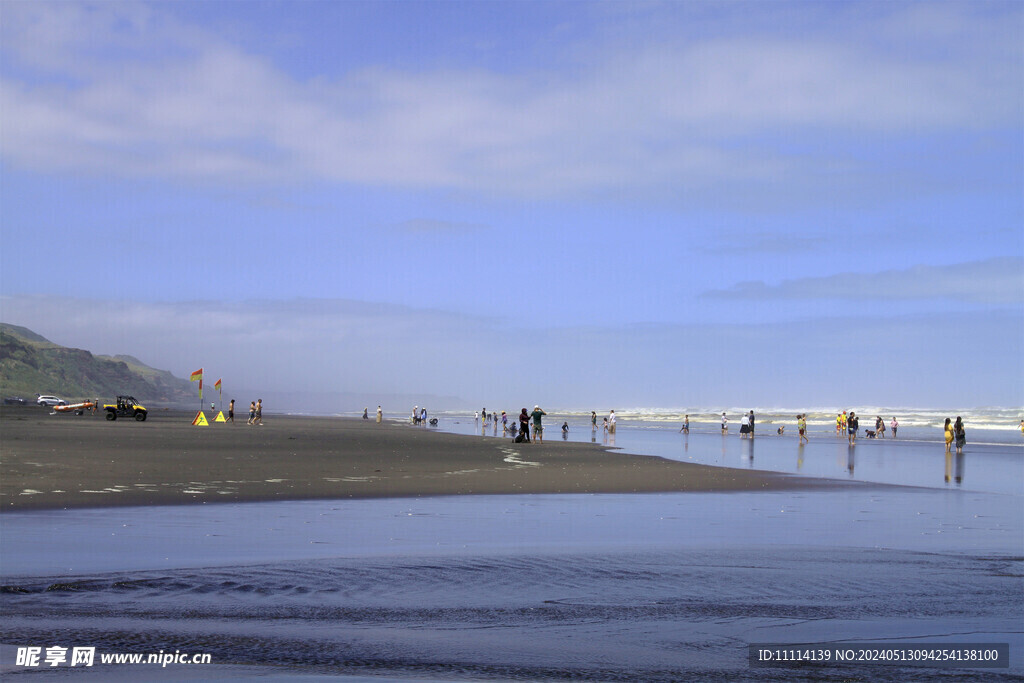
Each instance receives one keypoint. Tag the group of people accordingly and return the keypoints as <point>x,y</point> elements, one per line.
<point>530,425</point>
<point>380,414</point>
<point>955,432</point>
<point>255,412</point>
<point>843,426</point>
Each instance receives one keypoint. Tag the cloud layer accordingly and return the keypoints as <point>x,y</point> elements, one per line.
<point>346,346</point>
<point>998,281</point>
<point>129,90</point>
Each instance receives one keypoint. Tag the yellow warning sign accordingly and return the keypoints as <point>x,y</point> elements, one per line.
<point>220,417</point>
<point>200,420</point>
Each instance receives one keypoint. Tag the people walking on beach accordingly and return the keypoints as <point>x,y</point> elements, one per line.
<point>415,414</point>
<point>611,422</point>
<point>565,428</point>
<point>604,425</point>
<point>751,423</point>
<point>744,427</point>
<point>231,411</point>
<point>725,424</point>
<point>252,413</point>
<point>259,412</point>
<point>538,428</point>
<point>524,425</point>
<point>801,425</point>
<point>593,421</point>
<point>685,429</point>
<point>380,415</point>
<point>504,423</point>
<point>948,429</point>
<point>852,424</point>
<point>893,426</point>
<point>366,413</point>
<point>423,415</point>
<point>959,435</point>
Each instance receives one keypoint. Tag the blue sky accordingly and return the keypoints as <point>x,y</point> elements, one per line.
<point>575,204</point>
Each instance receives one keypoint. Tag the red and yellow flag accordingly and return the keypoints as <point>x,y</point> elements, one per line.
<point>198,375</point>
<point>216,385</point>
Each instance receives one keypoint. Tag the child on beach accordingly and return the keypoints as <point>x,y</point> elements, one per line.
<point>801,425</point>
<point>893,425</point>
<point>948,429</point>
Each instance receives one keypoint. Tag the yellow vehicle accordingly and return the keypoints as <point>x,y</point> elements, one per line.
<point>126,406</point>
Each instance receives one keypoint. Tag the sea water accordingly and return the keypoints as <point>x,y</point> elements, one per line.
<point>993,459</point>
<point>654,587</point>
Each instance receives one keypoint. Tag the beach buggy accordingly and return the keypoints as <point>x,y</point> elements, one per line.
<point>126,406</point>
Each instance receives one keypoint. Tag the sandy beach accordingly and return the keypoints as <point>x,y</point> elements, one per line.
<point>68,461</point>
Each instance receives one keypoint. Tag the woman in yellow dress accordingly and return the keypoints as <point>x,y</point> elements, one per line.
<point>949,433</point>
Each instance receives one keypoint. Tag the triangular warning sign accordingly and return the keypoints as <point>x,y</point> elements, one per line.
<point>200,420</point>
<point>220,417</point>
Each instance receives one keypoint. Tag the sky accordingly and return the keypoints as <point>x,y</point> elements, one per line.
<point>584,205</point>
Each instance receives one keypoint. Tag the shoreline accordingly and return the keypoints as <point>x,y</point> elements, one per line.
<point>52,462</point>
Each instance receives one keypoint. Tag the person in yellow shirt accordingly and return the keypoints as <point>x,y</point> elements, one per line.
<point>949,433</point>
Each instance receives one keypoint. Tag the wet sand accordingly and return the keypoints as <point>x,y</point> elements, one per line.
<point>67,461</point>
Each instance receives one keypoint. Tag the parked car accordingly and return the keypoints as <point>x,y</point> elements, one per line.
<point>15,401</point>
<point>51,401</point>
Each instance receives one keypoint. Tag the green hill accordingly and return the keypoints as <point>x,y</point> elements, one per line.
<point>31,365</point>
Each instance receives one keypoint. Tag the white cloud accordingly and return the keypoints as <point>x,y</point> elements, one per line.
<point>670,115</point>
<point>998,281</point>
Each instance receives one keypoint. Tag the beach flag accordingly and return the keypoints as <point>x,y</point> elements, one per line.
<point>200,420</point>
<point>216,385</point>
<point>198,375</point>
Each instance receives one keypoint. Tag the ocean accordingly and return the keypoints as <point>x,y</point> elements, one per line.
<point>648,587</point>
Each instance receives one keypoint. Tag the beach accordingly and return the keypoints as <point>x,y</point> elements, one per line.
<point>335,548</point>
<point>68,461</point>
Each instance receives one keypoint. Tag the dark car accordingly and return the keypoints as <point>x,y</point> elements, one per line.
<point>15,401</point>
